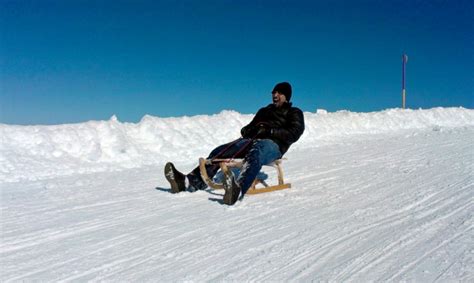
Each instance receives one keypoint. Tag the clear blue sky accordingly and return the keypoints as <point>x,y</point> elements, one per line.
<point>73,61</point>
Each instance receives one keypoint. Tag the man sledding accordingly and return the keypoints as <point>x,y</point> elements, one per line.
<point>265,139</point>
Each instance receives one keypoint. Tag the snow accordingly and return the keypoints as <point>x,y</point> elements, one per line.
<point>43,152</point>
<point>381,196</point>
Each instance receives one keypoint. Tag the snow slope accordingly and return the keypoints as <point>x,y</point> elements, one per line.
<point>376,196</point>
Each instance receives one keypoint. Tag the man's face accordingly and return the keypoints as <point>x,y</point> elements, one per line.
<point>278,98</point>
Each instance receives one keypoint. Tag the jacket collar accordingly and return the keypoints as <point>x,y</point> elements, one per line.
<point>286,106</point>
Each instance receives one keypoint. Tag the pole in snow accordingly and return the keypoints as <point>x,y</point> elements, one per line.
<point>404,65</point>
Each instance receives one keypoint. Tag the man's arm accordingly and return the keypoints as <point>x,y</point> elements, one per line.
<point>251,129</point>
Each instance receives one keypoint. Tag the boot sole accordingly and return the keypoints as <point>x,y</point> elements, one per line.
<point>228,194</point>
<point>228,197</point>
<point>169,172</point>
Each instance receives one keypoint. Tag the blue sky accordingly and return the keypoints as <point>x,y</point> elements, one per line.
<point>73,61</point>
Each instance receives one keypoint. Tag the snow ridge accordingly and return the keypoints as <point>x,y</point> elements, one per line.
<point>97,146</point>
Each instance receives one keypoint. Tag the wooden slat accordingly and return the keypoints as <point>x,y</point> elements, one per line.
<point>269,189</point>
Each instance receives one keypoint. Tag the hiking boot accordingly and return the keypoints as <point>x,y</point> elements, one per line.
<point>176,178</point>
<point>232,189</point>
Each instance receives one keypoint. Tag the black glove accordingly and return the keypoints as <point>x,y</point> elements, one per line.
<point>264,131</point>
<point>249,132</point>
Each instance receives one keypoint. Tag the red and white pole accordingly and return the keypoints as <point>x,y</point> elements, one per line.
<point>404,65</point>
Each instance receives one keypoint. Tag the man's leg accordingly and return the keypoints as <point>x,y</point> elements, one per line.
<point>262,152</point>
<point>242,145</point>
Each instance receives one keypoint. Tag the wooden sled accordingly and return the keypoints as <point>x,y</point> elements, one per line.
<point>225,164</point>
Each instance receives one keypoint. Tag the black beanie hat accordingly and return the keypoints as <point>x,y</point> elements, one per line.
<point>283,88</point>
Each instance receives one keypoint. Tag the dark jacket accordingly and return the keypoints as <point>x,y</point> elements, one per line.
<point>283,125</point>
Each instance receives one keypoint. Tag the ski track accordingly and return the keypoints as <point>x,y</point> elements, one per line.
<point>392,207</point>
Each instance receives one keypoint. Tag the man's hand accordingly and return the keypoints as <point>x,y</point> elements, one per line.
<point>264,131</point>
<point>259,131</point>
<point>249,132</point>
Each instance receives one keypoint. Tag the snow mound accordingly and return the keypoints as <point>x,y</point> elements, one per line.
<point>98,146</point>
<point>332,125</point>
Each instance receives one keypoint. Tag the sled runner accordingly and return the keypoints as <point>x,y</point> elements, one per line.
<point>225,164</point>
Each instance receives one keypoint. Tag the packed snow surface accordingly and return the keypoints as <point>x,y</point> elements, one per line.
<point>375,196</point>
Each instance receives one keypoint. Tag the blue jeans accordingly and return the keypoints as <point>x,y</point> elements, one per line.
<point>255,153</point>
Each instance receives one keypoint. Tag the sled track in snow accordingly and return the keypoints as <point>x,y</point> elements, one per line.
<point>430,210</point>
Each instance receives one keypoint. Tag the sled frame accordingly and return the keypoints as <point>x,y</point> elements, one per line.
<point>226,163</point>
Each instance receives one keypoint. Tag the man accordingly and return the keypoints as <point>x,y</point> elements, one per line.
<point>265,139</point>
